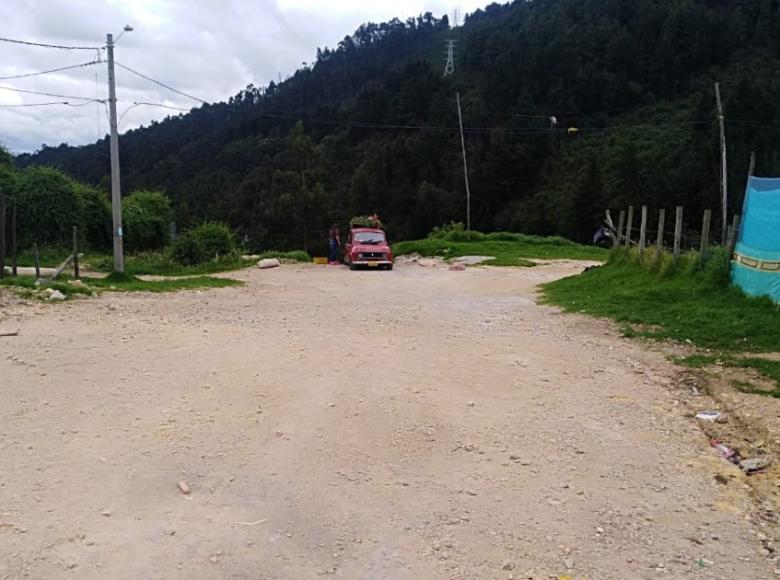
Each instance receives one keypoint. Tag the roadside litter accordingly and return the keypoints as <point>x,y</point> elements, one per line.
<point>725,451</point>
<point>754,465</point>
<point>710,416</point>
<point>748,466</point>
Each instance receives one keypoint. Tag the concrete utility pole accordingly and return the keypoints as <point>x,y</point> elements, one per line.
<point>465,167</point>
<point>116,189</point>
<point>2,232</point>
<point>724,203</point>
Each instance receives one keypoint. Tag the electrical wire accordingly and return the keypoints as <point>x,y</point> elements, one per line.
<point>54,70</point>
<point>61,47</point>
<point>43,104</point>
<point>150,79</point>
<point>139,104</point>
<point>444,128</point>
<point>48,94</point>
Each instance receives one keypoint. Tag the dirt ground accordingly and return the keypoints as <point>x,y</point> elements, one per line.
<point>414,424</point>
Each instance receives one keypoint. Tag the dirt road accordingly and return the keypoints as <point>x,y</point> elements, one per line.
<point>415,424</point>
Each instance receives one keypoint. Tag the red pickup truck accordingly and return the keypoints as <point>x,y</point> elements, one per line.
<point>368,247</point>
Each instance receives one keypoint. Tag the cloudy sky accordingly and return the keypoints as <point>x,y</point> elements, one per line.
<point>208,48</point>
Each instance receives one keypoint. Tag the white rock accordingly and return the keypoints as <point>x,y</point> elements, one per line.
<point>56,295</point>
<point>268,263</point>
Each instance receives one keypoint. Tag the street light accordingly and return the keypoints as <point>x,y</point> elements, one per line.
<point>116,193</point>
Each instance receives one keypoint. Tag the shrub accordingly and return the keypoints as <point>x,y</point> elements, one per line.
<point>441,233</point>
<point>146,218</point>
<point>95,225</point>
<point>216,239</point>
<point>48,207</point>
<point>205,242</point>
<point>188,250</point>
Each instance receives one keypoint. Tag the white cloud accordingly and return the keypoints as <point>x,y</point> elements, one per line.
<point>210,48</point>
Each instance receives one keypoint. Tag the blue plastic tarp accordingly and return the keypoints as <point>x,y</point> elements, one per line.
<point>756,267</point>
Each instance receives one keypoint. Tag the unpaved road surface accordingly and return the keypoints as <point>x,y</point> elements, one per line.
<point>415,424</point>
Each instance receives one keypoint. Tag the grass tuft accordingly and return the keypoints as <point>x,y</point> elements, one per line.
<point>26,287</point>
<point>507,249</point>
<point>683,299</point>
<point>294,256</point>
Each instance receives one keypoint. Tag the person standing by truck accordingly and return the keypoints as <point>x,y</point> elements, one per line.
<point>334,240</point>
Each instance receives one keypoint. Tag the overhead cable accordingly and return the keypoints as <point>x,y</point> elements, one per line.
<point>49,94</point>
<point>45,104</point>
<point>59,46</point>
<point>150,79</point>
<point>45,72</point>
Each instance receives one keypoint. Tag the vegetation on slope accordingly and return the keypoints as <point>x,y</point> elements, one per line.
<point>681,300</point>
<point>635,77</point>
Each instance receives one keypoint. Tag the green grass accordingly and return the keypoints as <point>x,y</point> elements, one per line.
<point>163,264</point>
<point>52,257</point>
<point>25,285</point>
<point>508,249</point>
<point>143,263</point>
<point>129,283</point>
<point>769,369</point>
<point>294,256</point>
<point>678,299</point>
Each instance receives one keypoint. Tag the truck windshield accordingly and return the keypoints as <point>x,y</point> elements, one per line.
<point>369,237</point>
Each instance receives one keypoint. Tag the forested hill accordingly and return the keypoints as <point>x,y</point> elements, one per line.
<point>378,130</point>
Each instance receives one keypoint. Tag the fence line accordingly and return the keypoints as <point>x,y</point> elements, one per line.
<point>699,241</point>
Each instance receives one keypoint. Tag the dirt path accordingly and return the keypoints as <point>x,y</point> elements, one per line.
<point>415,424</point>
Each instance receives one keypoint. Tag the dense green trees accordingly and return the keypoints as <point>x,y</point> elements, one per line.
<point>146,220</point>
<point>634,76</point>
<point>49,204</point>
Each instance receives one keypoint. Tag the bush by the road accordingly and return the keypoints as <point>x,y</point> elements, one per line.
<point>205,242</point>
<point>47,207</point>
<point>146,219</point>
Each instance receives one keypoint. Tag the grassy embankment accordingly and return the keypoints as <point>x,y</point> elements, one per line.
<point>507,249</point>
<point>155,263</point>
<point>685,300</point>
<point>26,287</point>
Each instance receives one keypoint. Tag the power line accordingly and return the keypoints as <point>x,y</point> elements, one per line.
<point>45,104</point>
<point>139,104</point>
<point>143,76</point>
<point>45,72</point>
<point>48,94</point>
<point>445,128</point>
<point>61,47</point>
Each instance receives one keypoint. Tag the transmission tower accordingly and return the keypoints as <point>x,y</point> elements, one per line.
<point>449,67</point>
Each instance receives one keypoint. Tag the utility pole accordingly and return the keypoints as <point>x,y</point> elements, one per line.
<point>465,167</point>
<point>724,203</point>
<point>116,189</point>
<point>2,232</point>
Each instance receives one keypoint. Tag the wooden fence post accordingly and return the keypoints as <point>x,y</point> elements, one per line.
<point>643,230</point>
<point>621,223</point>
<point>678,221</point>
<point>76,252</point>
<point>2,233</point>
<point>629,225</point>
<point>13,238</point>
<point>659,244</point>
<point>733,234</point>
<point>37,262</point>
<point>705,233</point>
